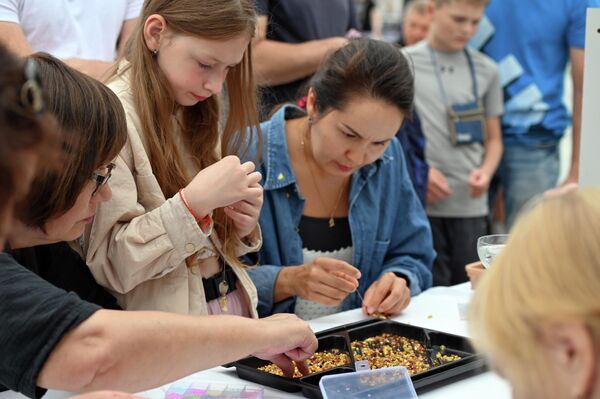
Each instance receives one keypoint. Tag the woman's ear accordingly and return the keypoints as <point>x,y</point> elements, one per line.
<point>311,103</point>
<point>570,347</point>
<point>155,28</point>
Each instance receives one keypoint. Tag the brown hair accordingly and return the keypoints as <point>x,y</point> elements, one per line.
<point>155,104</point>
<point>364,67</point>
<point>92,121</point>
<point>21,129</point>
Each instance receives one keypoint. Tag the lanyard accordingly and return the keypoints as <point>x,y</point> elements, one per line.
<point>439,78</point>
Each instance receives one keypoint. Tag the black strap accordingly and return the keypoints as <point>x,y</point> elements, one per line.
<point>473,76</point>
<point>439,78</point>
<point>211,284</point>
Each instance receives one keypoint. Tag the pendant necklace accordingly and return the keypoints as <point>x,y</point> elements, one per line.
<point>331,221</point>
<point>223,285</point>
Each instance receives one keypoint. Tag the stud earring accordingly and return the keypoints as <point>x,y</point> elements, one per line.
<point>154,52</point>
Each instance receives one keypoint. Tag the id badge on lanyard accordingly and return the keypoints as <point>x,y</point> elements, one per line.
<point>466,121</point>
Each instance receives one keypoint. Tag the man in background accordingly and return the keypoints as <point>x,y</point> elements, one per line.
<point>293,37</point>
<point>533,41</point>
<point>415,22</point>
<point>86,34</point>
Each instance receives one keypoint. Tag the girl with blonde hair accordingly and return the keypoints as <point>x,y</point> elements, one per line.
<point>537,312</point>
<point>179,218</point>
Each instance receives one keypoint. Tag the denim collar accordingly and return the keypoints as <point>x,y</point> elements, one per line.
<point>278,167</point>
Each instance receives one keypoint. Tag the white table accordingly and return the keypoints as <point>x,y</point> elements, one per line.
<point>440,308</point>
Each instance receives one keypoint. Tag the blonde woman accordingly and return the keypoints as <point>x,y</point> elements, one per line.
<point>180,216</point>
<point>537,313</point>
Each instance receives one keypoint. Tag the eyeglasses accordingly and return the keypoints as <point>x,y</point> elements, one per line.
<point>102,179</point>
<point>31,94</point>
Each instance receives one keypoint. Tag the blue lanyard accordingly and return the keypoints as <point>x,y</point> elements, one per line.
<point>439,78</point>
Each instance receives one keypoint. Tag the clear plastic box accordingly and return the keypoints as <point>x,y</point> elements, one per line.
<point>386,383</point>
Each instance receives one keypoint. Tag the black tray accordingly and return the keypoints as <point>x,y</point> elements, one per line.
<point>341,337</point>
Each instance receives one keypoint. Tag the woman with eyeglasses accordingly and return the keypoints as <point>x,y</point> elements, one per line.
<point>63,201</point>
<point>50,338</point>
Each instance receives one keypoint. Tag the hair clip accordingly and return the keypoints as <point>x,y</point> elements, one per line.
<point>31,94</point>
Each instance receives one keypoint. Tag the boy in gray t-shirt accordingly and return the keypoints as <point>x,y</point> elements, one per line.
<point>459,100</point>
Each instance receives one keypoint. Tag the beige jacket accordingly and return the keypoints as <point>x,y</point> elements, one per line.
<point>139,240</point>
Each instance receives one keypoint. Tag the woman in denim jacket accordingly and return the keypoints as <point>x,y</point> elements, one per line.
<point>340,214</point>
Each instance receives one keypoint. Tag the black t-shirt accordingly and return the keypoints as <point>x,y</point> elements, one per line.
<point>61,266</point>
<point>34,316</point>
<point>316,235</point>
<point>298,21</point>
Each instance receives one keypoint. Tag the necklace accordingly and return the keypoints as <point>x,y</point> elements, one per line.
<point>314,180</point>
<point>221,251</point>
<point>223,285</point>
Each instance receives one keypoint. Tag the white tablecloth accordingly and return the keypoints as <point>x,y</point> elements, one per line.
<point>440,308</point>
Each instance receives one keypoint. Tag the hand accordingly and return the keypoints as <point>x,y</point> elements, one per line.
<point>388,295</point>
<point>105,395</point>
<point>245,214</point>
<point>479,182</point>
<point>561,190</point>
<point>325,280</point>
<point>437,186</point>
<point>572,177</point>
<point>223,183</point>
<point>353,34</point>
<point>290,340</point>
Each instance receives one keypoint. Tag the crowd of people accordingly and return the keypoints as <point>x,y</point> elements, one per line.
<point>173,171</point>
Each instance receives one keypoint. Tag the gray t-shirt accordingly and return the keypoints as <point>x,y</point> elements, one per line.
<point>455,162</point>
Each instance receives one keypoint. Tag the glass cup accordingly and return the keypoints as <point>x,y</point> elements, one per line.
<point>488,247</point>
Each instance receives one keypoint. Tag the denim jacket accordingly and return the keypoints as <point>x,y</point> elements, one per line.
<point>390,232</point>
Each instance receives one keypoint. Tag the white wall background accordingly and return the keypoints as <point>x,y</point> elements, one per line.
<point>590,137</point>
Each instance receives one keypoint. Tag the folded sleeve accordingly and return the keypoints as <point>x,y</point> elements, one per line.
<point>251,243</point>
<point>129,244</point>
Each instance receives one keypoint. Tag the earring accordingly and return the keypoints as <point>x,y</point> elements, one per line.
<point>154,52</point>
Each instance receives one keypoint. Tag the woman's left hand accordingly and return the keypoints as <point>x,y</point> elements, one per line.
<point>388,295</point>
<point>245,214</point>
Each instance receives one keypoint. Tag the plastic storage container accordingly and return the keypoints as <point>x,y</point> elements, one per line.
<point>386,383</point>
<point>202,390</point>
